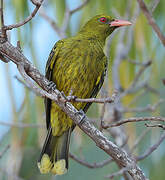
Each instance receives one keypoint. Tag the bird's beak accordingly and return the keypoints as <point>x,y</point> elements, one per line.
<point>119,23</point>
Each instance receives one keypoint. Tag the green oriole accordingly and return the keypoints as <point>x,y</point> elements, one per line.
<point>76,64</point>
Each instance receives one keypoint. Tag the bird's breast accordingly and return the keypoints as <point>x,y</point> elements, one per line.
<point>78,70</point>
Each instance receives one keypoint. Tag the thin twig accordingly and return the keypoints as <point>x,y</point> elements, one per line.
<point>137,62</point>
<point>134,119</point>
<point>3,31</point>
<point>118,173</point>
<point>91,165</point>
<point>28,80</point>
<point>136,98</point>
<point>137,77</point>
<point>149,107</point>
<point>151,149</point>
<point>53,24</point>
<point>22,125</point>
<point>151,21</point>
<point>79,7</point>
<point>27,86</point>
<point>4,151</point>
<point>95,100</point>
<point>62,31</point>
<point>16,25</point>
<point>151,89</point>
<point>69,13</point>
<point>155,4</point>
<point>35,2</point>
<point>139,138</point>
<point>94,165</point>
<point>155,125</point>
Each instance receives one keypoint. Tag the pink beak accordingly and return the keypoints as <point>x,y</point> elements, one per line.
<point>119,23</point>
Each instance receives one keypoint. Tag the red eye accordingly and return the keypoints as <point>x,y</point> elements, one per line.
<point>103,19</point>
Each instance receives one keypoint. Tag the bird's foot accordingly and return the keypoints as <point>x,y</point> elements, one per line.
<point>83,116</point>
<point>51,86</point>
<point>71,98</point>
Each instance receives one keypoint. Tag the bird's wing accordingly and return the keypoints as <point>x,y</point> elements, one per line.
<point>98,85</point>
<point>49,71</point>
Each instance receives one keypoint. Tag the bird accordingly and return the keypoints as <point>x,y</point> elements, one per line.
<point>76,65</point>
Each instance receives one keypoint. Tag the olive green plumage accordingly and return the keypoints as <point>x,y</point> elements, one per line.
<point>78,65</point>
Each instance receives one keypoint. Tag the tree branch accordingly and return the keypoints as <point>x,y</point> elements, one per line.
<point>151,149</point>
<point>149,107</point>
<point>118,173</point>
<point>137,77</point>
<point>16,25</point>
<point>28,71</point>
<point>22,125</point>
<point>134,119</point>
<point>139,138</point>
<point>3,32</point>
<point>4,151</point>
<point>53,24</point>
<point>90,165</point>
<point>79,7</point>
<point>151,21</point>
<point>155,125</point>
<point>154,5</point>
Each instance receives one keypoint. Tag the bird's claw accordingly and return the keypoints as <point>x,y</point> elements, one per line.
<point>71,98</point>
<point>82,120</point>
<point>51,86</point>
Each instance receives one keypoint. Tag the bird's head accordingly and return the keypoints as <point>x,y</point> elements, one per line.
<point>103,25</point>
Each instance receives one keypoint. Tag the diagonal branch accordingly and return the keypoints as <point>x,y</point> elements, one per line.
<point>139,139</point>
<point>151,149</point>
<point>151,21</point>
<point>149,107</point>
<point>16,25</point>
<point>134,119</point>
<point>154,5</point>
<point>79,118</point>
<point>90,165</point>
<point>79,7</point>
<point>53,23</point>
<point>137,77</point>
<point>69,13</point>
<point>4,151</point>
<point>118,173</point>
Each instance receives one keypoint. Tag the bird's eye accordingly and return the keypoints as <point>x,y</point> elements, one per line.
<point>103,20</point>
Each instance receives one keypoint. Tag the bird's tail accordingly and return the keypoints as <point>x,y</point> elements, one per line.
<point>54,155</point>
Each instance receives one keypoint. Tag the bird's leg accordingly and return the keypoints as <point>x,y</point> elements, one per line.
<point>82,114</point>
<point>71,97</point>
<point>51,86</point>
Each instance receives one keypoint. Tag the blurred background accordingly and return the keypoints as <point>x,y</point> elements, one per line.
<point>136,69</point>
